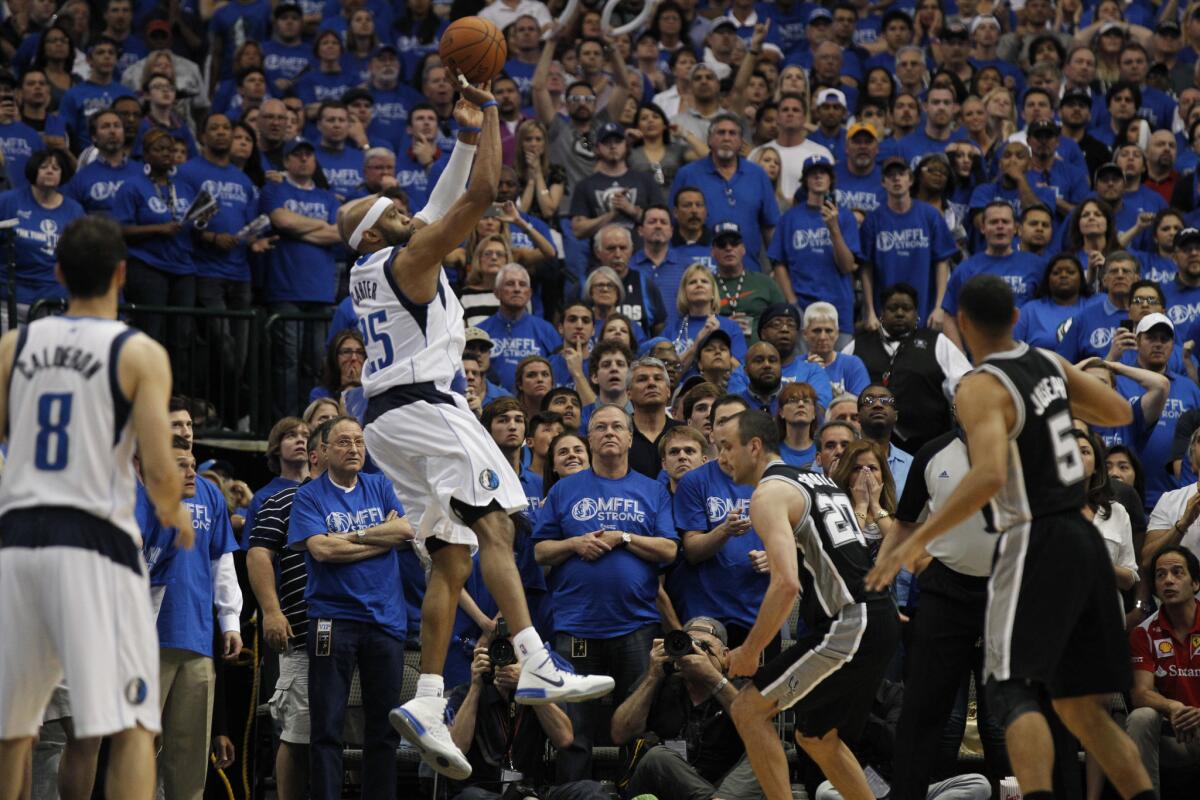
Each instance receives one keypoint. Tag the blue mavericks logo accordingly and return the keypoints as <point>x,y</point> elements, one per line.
<point>489,480</point>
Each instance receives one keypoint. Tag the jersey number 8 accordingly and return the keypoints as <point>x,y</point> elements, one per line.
<point>54,415</point>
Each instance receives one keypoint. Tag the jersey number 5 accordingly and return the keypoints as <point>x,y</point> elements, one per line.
<point>1067,460</point>
<point>372,335</point>
<point>53,416</point>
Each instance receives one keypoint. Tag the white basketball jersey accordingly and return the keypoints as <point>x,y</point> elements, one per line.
<point>70,442</point>
<point>406,342</point>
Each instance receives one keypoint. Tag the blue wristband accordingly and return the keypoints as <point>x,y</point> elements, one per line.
<point>470,130</point>
<point>488,104</point>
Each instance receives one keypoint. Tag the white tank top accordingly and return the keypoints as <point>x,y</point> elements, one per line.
<point>406,342</point>
<point>70,442</point>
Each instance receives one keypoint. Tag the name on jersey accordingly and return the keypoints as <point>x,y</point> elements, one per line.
<point>608,510</point>
<point>344,522</point>
<point>364,290</point>
<point>60,357</point>
<point>719,508</point>
<point>1046,391</point>
<point>814,480</point>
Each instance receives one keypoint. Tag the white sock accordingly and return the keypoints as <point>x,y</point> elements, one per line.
<point>527,643</point>
<point>430,686</point>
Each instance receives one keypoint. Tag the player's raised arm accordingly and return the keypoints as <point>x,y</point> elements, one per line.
<point>144,373</point>
<point>441,234</point>
<point>987,444</point>
<point>1092,401</point>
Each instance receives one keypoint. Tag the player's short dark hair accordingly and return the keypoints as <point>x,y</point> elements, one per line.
<point>757,425</point>
<point>89,251</point>
<point>724,400</point>
<point>501,405</point>
<point>275,439</point>
<point>1193,563</point>
<point>540,419</point>
<point>988,302</point>
<point>180,443</point>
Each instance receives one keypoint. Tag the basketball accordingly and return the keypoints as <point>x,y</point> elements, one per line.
<point>475,48</point>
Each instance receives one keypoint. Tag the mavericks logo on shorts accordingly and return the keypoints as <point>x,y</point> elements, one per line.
<point>489,479</point>
<point>136,691</point>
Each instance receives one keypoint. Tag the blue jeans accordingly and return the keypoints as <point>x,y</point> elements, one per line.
<point>625,658</point>
<point>379,657</point>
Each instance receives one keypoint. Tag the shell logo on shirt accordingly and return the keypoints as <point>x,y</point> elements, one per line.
<point>1164,647</point>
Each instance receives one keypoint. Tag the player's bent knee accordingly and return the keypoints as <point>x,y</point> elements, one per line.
<point>749,705</point>
<point>1010,699</point>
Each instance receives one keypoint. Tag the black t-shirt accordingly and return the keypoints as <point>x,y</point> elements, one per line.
<point>504,733</point>
<point>643,455</point>
<point>713,744</point>
<point>594,197</point>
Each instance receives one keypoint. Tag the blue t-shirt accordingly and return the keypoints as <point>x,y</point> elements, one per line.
<point>615,594</point>
<point>185,621</point>
<point>798,458</point>
<point>1156,267</point>
<point>1090,332</point>
<point>1043,321</point>
<point>237,22</point>
<point>1155,449</point>
<point>513,340</point>
<point>864,192</point>
<point>158,542</point>
<point>665,276</point>
<point>801,370</point>
<point>391,109</point>
<point>725,586</point>
<point>18,142</point>
<point>343,169</point>
<point>1022,271</point>
<point>82,101</point>
<point>748,198</point>
<point>297,271</point>
<point>36,236</point>
<point>847,373</point>
<point>990,192</point>
<point>366,591</point>
<point>919,143</point>
<point>803,243</point>
<point>413,178</point>
<point>683,332</point>
<point>140,201</point>
<point>238,202</point>
<point>907,247</point>
<point>283,62</point>
<point>95,186</point>
<point>1183,303</point>
<point>316,86</point>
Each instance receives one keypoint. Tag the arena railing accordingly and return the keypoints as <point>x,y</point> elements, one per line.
<point>217,360</point>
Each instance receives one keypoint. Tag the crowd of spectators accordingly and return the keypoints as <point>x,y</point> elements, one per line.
<point>733,205</point>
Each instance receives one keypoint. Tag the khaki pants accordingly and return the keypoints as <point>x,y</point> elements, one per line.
<point>1158,746</point>
<point>188,681</point>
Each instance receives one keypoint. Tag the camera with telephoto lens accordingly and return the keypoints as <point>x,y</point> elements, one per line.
<point>501,651</point>
<point>678,644</point>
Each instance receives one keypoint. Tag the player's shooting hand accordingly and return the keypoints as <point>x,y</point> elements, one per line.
<point>476,96</point>
<point>742,662</point>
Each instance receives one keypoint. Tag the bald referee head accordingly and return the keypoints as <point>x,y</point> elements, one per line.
<point>373,223</point>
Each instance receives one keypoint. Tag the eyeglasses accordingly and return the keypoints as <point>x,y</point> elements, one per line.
<point>1145,301</point>
<point>871,400</point>
<point>345,443</point>
<point>721,244</point>
<point>586,99</point>
<point>781,323</point>
<point>347,352</point>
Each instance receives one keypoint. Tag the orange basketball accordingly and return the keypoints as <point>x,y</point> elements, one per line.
<point>475,48</point>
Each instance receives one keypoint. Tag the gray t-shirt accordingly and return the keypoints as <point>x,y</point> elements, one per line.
<point>575,152</point>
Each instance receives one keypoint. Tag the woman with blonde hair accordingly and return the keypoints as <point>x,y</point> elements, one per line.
<point>319,410</point>
<point>489,254</point>
<point>697,314</point>
<point>769,159</point>
<point>1001,114</point>
<point>542,183</point>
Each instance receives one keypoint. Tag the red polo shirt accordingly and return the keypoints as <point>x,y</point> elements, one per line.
<point>1174,658</point>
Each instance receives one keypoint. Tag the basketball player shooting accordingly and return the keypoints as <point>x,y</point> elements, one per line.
<point>446,468</point>
<point>76,393</point>
<point>1052,627</point>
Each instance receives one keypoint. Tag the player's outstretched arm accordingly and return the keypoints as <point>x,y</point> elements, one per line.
<point>424,253</point>
<point>1092,401</point>
<point>981,396</point>
<point>144,372</point>
<point>769,507</point>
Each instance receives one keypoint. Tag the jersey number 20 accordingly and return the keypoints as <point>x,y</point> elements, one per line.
<point>53,416</point>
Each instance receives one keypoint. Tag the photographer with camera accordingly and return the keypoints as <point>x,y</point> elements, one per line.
<point>505,742</point>
<point>689,746</point>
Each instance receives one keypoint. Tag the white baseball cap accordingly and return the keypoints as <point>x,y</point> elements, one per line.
<point>831,96</point>
<point>1152,321</point>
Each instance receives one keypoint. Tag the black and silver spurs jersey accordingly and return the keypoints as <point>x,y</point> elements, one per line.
<point>830,547</point>
<point>1045,468</point>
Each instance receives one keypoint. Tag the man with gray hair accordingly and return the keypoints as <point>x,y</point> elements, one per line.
<point>607,531</point>
<point>691,700</point>
<point>649,387</point>
<point>642,301</point>
<point>515,332</point>
<point>846,373</point>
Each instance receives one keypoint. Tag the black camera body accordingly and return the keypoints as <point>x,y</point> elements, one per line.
<point>501,651</point>
<point>678,644</point>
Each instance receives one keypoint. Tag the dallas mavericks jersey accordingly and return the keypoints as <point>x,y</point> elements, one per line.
<point>1045,468</point>
<point>831,548</point>
<point>406,342</point>
<point>69,438</point>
